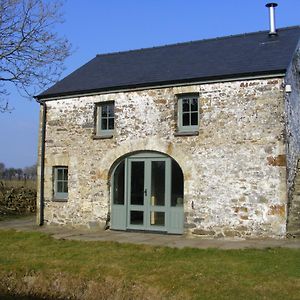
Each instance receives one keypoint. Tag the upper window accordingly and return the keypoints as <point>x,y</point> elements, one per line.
<point>105,122</point>
<point>61,183</point>
<point>188,113</point>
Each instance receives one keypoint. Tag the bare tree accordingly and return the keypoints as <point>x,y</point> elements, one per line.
<point>10,173</point>
<point>30,172</point>
<point>31,53</point>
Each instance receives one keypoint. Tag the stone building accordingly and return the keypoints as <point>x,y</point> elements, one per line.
<point>200,137</point>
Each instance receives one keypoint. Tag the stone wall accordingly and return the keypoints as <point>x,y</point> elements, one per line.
<point>234,170</point>
<point>294,206</point>
<point>293,139</point>
<point>16,200</point>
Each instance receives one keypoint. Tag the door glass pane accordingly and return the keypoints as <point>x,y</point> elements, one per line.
<point>157,218</point>
<point>158,183</point>
<point>136,217</point>
<point>176,185</point>
<point>119,176</point>
<point>137,183</point>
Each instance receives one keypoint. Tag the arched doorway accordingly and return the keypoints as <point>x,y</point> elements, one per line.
<point>147,194</point>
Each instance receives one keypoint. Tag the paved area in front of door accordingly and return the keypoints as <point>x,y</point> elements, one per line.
<point>154,239</point>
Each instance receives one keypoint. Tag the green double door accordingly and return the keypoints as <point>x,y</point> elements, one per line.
<point>148,193</point>
<point>147,197</point>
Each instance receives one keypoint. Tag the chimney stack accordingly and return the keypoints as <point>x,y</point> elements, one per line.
<point>271,7</point>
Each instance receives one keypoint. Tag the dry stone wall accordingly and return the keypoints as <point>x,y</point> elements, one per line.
<point>234,169</point>
<point>19,200</point>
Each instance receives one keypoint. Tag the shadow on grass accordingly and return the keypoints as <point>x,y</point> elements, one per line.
<point>17,297</point>
<point>10,216</point>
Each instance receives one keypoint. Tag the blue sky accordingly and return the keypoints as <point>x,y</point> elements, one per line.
<point>100,26</point>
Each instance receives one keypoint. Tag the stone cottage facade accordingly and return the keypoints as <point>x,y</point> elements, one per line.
<point>177,139</point>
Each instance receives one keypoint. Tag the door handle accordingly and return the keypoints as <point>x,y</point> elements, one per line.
<point>145,192</point>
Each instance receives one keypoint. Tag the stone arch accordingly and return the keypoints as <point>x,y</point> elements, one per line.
<point>121,158</point>
<point>111,158</point>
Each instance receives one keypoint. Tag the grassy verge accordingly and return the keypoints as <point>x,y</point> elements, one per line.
<point>37,264</point>
<point>29,184</point>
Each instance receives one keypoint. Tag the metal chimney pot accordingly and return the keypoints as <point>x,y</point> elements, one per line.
<point>271,7</point>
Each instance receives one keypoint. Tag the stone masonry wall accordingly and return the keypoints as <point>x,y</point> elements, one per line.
<point>234,170</point>
<point>293,141</point>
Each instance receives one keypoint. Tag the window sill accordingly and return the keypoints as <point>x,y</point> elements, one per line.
<point>59,200</point>
<point>186,133</point>
<point>102,137</point>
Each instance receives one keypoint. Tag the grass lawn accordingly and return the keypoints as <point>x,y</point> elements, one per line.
<point>156,271</point>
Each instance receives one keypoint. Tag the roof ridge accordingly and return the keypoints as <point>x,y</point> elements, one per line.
<point>195,41</point>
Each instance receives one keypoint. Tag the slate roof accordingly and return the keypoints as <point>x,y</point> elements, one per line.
<point>234,56</point>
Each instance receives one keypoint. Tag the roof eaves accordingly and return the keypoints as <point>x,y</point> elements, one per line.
<point>202,80</point>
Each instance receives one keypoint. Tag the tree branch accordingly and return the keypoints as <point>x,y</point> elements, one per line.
<point>31,53</point>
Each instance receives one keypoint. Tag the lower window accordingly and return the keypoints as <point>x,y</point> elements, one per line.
<point>61,183</point>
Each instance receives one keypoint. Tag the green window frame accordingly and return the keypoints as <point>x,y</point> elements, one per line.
<point>60,182</point>
<point>188,113</point>
<point>105,118</point>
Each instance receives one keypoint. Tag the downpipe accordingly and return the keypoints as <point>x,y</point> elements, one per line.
<point>42,163</point>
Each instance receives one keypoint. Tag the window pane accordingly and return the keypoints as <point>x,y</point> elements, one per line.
<point>111,110</point>
<point>194,118</point>
<point>194,104</point>
<point>111,123</point>
<point>60,174</point>
<point>186,119</point>
<point>65,174</point>
<point>185,105</point>
<point>136,217</point>
<point>157,218</point>
<point>158,183</point>
<point>60,187</point>
<point>119,177</point>
<point>104,110</point>
<point>176,185</point>
<point>65,190</point>
<point>137,183</point>
<point>104,124</point>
